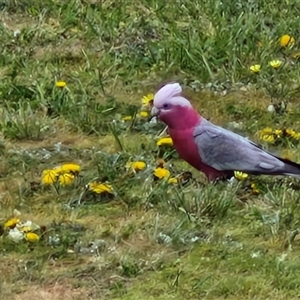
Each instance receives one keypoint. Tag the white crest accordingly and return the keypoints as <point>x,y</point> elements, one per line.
<point>170,93</point>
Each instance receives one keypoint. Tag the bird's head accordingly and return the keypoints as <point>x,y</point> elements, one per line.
<point>172,108</point>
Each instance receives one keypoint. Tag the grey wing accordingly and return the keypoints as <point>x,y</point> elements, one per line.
<point>225,150</point>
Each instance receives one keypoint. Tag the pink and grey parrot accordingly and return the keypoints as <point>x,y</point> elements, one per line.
<point>215,151</point>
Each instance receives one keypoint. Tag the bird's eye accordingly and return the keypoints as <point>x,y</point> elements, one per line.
<point>166,105</point>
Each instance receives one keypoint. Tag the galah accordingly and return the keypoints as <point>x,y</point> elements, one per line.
<point>215,151</point>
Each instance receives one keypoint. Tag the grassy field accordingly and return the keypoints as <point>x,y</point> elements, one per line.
<point>82,214</point>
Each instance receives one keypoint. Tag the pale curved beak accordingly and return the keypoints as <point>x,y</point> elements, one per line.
<point>154,111</point>
<point>154,114</point>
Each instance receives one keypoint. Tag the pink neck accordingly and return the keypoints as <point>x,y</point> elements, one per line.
<point>181,118</point>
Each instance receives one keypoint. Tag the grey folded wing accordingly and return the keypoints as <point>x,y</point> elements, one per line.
<point>225,150</point>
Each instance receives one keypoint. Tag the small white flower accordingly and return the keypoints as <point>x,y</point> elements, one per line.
<point>15,235</point>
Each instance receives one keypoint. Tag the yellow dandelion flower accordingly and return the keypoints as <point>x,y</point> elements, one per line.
<point>267,135</point>
<point>296,136</point>
<point>173,180</point>
<point>100,188</point>
<point>255,190</point>
<point>287,41</point>
<point>60,84</point>
<point>74,168</point>
<point>144,114</point>
<point>127,118</point>
<point>267,130</point>
<point>290,132</point>
<point>67,168</point>
<point>240,175</point>
<point>275,64</point>
<point>255,68</point>
<point>49,176</point>
<point>32,237</point>
<point>136,165</point>
<point>65,179</point>
<point>148,99</point>
<point>278,132</point>
<point>161,173</point>
<point>165,141</point>
<point>268,138</point>
<point>11,223</point>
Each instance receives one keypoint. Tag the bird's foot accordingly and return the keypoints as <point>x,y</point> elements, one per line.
<point>219,179</point>
<point>216,176</point>
<point>222,178</point>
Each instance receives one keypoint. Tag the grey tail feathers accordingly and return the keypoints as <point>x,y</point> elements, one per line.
<point>290,168</point>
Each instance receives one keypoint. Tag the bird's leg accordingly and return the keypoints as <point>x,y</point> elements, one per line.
<point>217,180</point>
<point>222,178</point>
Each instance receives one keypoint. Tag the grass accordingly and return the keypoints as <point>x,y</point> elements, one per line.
<point>149,239</point>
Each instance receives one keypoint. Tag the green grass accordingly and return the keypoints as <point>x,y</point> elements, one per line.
<point>149,240</point>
